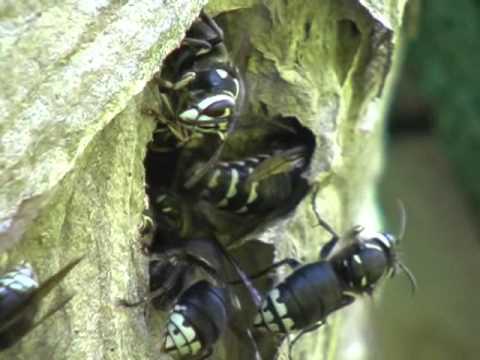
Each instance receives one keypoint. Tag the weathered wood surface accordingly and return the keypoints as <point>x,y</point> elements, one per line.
<point>73,139</point>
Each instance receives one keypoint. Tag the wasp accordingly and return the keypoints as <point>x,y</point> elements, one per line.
<point>201,87</point>
<point>205,309</point>
<point>197,320</point>
<point>201,312</point>
<point>303,300</point>
<point>252,185</point>
<point>20,296</point>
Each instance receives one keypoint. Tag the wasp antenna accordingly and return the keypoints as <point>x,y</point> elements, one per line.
<point>254,345</point>
<point>195,178</point>
<point>321,222</point>
<point>403,219</point>
<point>256,298</point>
<point>410,276</point>
<point>292,343</point>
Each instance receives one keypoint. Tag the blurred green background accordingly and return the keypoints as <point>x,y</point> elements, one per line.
<point>432,164</point>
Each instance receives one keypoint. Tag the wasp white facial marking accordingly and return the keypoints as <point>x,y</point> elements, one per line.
<point>203,50</point>
<point>368,234</point>
<point>222,73</point>
<point>237,88</point>
<point>204,117</point>
<point>385,240</point>
<point>373,246</point>
<point>229,93</point>
<point>357,259</point>
<point>190,114</point>
<point>205,103</point>
<point>227,112</point>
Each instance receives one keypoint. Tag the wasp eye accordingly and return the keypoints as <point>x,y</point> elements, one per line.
<point>218,109</point>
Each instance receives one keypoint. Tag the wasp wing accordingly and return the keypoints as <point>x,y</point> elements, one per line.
<point>36,296</point>
<point>281,162</point>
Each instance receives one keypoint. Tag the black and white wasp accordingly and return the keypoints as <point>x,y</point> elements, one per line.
<point>20,296</point>
<point>252,185</point>
<point>200,311</point>
<point>201,87</point>
<point>349,266</point>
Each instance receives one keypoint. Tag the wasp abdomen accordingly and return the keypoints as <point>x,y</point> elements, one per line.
<point>197,321</point>
<point>15,288</point>
<point>304,298</point>
<point>227,186</point>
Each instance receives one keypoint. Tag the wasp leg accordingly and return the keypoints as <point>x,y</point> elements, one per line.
<point>207,355</point>
<point>181,257</point>
<point>291,262</point>
<point>213,25</point>
<point>166,85</point>
<point>159,293</point>
<point>192,181</point>
<point>169,123</point>
<point>147,225</point>
<point>197,44</point>
<point>168,105</point>
<point>178,131</point>
<point>245,337</point>
<point>297,337</point>
<point>326,250</point>
<point>166,127</point>
<point>162,83</point>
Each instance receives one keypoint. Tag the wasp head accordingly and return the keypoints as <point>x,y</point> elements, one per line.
<point>212,97</point>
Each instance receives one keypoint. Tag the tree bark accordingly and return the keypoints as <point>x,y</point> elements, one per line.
<point>73,139</point>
